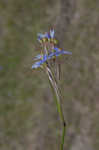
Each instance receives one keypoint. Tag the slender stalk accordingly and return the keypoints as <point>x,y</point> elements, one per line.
<point>57,97</point>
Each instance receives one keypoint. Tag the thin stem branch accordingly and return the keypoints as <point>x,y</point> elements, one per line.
<point>57,97</point>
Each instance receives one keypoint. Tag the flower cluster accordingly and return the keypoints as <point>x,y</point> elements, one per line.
<point>50,49</point>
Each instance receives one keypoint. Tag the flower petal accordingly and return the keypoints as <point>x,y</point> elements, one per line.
<point>63,52</point>
<point>36,65</point>
<point>67,52</point>
<point>58,53</point>
<point>38,57</point>
<point>39,63</point>
<point>41,36</point>
<point>52,32</point>
<point>56,49</point>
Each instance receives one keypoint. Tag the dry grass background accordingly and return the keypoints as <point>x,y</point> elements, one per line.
<point>28,117</point>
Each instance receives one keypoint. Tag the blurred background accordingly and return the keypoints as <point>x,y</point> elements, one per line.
<point>28,114</point>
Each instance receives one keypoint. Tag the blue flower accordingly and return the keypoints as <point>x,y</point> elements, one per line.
<point>62,51</point>
<point>58,53</point>
<point>52,53</point>
<point>42,36</point>
<point>46,35</point>
<point>39,63</point>
<point>44,58</point>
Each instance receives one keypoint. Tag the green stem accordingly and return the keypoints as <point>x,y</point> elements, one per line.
<point>57,96</point>
<point>63,136</point>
